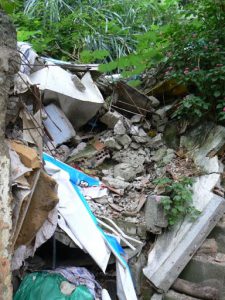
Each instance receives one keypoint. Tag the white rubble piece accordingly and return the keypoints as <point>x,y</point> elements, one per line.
<point>57,125</point>
<point>119,128</point>
<point>78,104</point>
<point>174,249</point>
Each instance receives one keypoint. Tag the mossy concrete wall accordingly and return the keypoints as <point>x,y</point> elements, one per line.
<point>8,67</point>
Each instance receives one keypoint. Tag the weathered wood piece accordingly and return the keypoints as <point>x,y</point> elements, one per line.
<point>208,290</point>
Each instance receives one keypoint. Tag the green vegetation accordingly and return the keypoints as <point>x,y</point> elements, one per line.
<point>182,40</point>
<point>179,204</point>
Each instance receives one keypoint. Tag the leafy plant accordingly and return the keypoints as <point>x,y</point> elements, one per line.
<point>8,5</point>
<point>192,106</point>
<point>69,27</point>
<point>179,203</point>
<point>186,44</point>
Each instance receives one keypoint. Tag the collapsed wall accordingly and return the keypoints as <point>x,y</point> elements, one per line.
<point>8,67</point>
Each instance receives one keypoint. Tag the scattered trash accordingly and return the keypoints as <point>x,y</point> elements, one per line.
<point>41,285</point>
<point>92,191</point>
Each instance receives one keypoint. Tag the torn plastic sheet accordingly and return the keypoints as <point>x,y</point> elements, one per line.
<point>64,226</point>
<point>72,178</point>
<point>76,216</point>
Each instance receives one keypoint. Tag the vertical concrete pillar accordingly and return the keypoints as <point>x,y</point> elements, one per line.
<point>8,67</point>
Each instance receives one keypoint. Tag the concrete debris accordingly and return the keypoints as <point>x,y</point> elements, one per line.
<point>111,143</point>
<point>57,84</point>
<point>111,118</point>
<point>124,140</point>
<point>119,128</point>
<point>184,240</point>
<point>93,192</point>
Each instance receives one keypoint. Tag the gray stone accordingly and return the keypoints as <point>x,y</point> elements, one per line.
<point>125,171</point>
<point>141,132</point>
<point>135,146</point>
<point>159,154</point>
<point>141,152</point>
<point>154,102</point>
<point>146,125</point>
<point>160,116</point>
<point>136,119</point>
<point>129,227</point>
<point>111,118</point>
<point>218,233</point>
<point>169,156</point>
<point>155,217</point>
<point>124,140</point>
<point>117,183</point>
<point>139,139</point>
<point>130,157</point>
<point>157,297</point>
<point>134,130</point>
<point>119,128</point>
<point>155,142</point>
<point>112,144</point>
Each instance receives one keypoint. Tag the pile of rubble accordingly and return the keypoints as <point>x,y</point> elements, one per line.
<point>68,144</point>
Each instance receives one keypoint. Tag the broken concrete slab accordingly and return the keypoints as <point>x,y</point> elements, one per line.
<point>57,125</point>
<point>56,84</point>
<point>183,241</point>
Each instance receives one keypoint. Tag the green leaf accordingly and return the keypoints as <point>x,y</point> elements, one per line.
<point>217,94</point>
<point>8,5</point>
